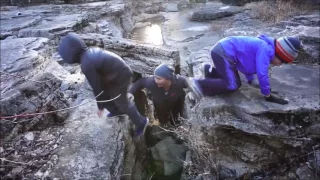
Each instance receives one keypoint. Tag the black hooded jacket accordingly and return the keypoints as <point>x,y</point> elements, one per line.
<point>102,68</point>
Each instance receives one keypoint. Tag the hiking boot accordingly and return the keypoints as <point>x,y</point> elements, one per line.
<point>193,85</point>
<point>139,131</point>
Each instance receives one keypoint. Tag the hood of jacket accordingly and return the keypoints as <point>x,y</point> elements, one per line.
<point>269,40</point>
<point>71,47</point>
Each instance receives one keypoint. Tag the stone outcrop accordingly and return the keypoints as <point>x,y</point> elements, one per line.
<point>142,58</point>
<point>53,21</point>
<point>22,57</point>
<point>95,147</point>
<point>213,12</point>
<point>244,130</point>
<point>245,135</point>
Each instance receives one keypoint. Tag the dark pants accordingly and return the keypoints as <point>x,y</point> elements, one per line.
<point>121,104</point>
<point>169,114</point>
<point>223,78</point>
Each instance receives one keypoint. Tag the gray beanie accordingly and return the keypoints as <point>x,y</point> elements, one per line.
<point>164,71</point>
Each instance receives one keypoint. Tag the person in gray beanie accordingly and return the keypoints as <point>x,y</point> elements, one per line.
<point>166,91</point>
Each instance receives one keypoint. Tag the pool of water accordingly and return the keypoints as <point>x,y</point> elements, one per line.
<point>151,34</point>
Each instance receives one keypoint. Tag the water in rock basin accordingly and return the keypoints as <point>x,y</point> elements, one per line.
<point>151,34</point>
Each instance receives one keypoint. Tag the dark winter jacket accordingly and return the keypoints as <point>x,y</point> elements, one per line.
<point>102,68</point>
<point>165,103</point>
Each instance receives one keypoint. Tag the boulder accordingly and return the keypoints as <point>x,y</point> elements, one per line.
<point>98,148</point>
<point>213,12</point>
<point>92,146</point>
<point>242,129</point>
<point>170,154</point>
<point>37,96</point>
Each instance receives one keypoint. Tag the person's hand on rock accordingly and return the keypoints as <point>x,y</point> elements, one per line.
<point>100,111</point>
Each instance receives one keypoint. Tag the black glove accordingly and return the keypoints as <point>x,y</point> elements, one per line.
<point>275,99</point>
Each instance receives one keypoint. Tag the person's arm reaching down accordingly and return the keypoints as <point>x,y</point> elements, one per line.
<point>95,82</point>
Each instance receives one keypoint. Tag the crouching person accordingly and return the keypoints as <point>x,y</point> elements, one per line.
<point>106,72</point>
<point>167,94</point>
<point>250,56</point>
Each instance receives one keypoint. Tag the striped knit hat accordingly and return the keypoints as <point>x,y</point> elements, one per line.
<point>287,48</point>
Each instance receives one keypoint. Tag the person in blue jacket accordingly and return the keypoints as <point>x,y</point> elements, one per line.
<point>249,55</point>
<point>106,72</point>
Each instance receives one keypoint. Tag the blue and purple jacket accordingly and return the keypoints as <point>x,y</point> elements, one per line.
<point>252,55</point>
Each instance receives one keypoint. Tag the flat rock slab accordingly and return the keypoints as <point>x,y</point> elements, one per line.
<point>213,12</point>
<point>49,20</point>
<point>53,24</point>
<point>299,84</point>
<point>92,147</point>
<point>18,23</point>
<point>21,57</point>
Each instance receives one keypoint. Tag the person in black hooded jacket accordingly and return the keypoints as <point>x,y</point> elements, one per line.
<point>107,72</point>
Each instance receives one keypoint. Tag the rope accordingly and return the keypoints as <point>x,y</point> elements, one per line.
<point>48,112</point>
<point>2,72</point>
<point>64,109</point>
